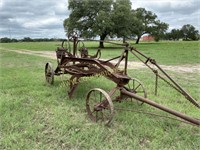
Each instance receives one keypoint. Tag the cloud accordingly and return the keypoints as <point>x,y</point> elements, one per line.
<point>162,6</point>
<point>180,7</point>
<point>38,19</point>
<point>174,12</point>
<point>22,18</point>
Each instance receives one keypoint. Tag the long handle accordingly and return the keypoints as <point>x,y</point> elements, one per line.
<point>176,85</point>
<point>187,96</point>
<point>152,103</point>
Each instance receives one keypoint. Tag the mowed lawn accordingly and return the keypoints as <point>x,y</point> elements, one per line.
<point>35,115</point>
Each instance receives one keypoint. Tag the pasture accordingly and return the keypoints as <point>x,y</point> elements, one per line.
<point>35,115</point>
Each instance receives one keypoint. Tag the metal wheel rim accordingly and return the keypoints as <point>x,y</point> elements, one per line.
<point>90,109</point>
<point>49,73</point>
<point>135,89</point>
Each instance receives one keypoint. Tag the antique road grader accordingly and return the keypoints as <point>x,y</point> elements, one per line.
<point>76,61</point>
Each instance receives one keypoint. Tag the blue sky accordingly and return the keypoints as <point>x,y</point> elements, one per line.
<point>40,19</point>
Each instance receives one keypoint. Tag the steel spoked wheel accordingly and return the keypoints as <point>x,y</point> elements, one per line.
<point>99,106</point>
<point>49,73</point>
<point>135,86</point>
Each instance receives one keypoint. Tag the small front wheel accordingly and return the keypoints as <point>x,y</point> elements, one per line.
<point>99,106</point>
<point>135,86</point>
<point>49,73</point>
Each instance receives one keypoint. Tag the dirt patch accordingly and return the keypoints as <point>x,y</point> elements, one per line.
<point>180,68</point>
<point>48,54</point>
<point>188,68</point>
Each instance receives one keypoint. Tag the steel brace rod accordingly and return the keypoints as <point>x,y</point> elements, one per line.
<point>176,85</point>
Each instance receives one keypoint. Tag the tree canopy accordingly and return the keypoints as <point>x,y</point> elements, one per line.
<point>146,22</point>
<point>121,16</point>
<point>175,34</point>
<point>189,32</point>
<point>90,18</point>
<point>116,18</point>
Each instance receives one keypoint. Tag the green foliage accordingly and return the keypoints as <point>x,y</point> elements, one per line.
<point>146,22</point>
<point>7,40</point>
<point>105,17</point>
<point>28,39</point>
<point>175,34</point>
<point>121,16</point>
<point>90,18</point>
<point>189,32</point>
<point>159,30</point>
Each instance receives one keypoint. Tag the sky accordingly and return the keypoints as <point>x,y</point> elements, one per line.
<point>44,18</point>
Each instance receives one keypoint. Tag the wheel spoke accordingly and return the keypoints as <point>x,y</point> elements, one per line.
<point>136,87</point>
<point>133,81</point>
<point>95,113</point>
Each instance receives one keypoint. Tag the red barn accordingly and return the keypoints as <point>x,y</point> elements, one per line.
<point>147,38</point>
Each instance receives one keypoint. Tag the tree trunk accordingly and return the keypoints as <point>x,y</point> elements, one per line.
<point>102,38</point>
<point>138,39</point>
<point>124,39</point>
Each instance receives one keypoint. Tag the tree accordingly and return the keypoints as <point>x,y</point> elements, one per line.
<point>5,40</point>
<point>90,18</point>
<point>144,22</point>
<point>27,39</point>
<point>159,30</point>
<point>175,34</point>
<point>189,32</point>
<point>121,16</point>
<point>14,40</point>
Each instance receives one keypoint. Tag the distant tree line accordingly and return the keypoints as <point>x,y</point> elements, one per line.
<point>187,33</point>
<point>28,39</point>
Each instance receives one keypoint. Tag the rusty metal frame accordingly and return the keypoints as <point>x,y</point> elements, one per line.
<point>86,65</point>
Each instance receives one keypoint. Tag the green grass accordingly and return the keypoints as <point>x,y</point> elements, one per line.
<point>181,52</point>
<point>35,115</point>
<point>37,46</point>
<point>166,52</point>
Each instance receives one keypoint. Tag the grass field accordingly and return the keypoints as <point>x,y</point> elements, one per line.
<point>171,53</point>
<point>35,115</point>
